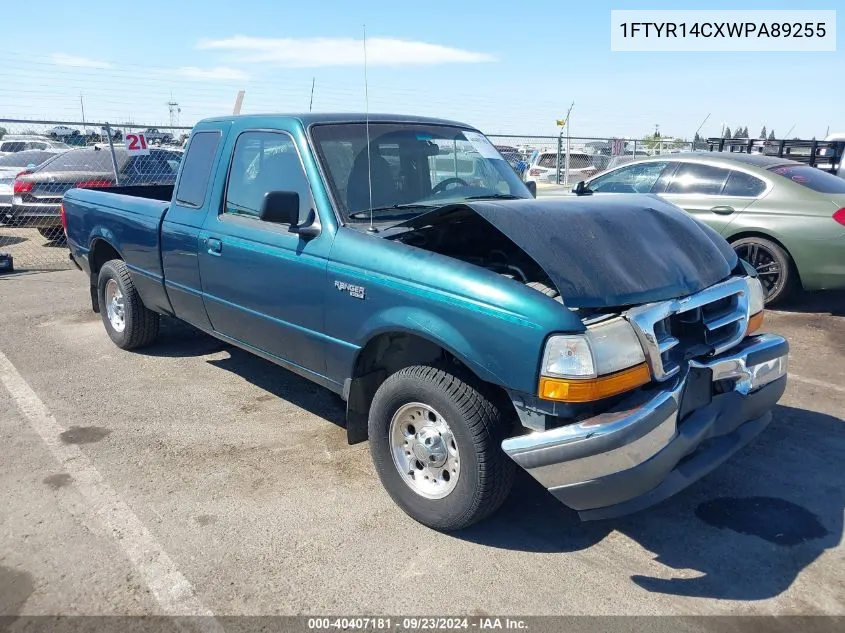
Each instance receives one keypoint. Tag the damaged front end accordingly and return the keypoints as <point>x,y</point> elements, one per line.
<point>668,375</point>
<point>707,386</point>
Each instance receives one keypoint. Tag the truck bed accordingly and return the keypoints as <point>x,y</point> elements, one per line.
<point>129,219</point>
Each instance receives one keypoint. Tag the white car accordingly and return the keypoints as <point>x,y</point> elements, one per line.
<point>542,167</point>
<point>13,143</point>
<point>62,130</point>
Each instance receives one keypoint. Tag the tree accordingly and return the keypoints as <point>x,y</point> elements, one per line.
<point>727,133</point>
<point>763,132</point>
<point>697,138</point>
<point>3,132</point>
<point>772,136</point>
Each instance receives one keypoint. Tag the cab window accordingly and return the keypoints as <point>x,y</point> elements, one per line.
<point>263,162</point>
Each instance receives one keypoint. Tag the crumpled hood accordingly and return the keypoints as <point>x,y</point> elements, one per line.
<point>610,250</point>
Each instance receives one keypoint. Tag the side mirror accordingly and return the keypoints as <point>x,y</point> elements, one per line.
<point>280,207</point>
<point>532,187</point>
<point>581,189</point>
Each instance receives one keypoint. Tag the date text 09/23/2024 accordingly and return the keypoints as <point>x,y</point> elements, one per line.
<point>416,623</point>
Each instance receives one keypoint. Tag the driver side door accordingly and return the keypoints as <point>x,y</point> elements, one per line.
<point>264,286</point>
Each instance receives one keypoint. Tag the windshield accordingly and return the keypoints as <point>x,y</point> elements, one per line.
<point>412,167</point>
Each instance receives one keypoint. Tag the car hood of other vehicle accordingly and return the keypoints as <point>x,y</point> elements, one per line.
<point>605,251</point>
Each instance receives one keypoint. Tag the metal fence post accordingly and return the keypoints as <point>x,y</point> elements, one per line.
<point>559,150</point>
<point>566,161</point>
<point>113,157</point>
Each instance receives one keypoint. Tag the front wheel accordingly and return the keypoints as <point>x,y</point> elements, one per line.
<point>773,265</point>
<point>435,440</point>
<point>128,321</point>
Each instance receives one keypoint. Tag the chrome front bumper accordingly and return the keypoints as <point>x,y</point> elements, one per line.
<point>661,439</point>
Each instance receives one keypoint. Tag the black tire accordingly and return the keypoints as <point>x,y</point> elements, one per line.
<point>140,323</point>
<point>768,257</point>
<point>546,290</point>
<point>478,425</point>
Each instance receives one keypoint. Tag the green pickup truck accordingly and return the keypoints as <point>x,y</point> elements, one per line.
<point>610,346</point>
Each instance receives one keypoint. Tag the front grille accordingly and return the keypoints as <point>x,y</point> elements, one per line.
<point>675,331</point>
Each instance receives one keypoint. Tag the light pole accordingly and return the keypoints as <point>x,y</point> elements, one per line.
<point>559,148</point>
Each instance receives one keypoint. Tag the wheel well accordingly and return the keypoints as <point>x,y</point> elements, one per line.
<point>743,234</point>
<point>101,252</point>
<point>382,356</point>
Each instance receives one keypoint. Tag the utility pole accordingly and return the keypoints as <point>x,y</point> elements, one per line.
<point>564,126</point>
<point>239,101</point>
<point>82,105</point>
<point>566,168</point>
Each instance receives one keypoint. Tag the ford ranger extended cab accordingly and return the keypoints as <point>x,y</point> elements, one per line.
<point>611,347</point>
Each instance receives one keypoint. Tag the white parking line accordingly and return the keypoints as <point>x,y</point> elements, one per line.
<point>167,584</point>
<point>817,383</point>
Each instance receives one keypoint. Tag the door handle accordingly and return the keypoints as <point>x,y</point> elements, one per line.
<point>215,247</point>
<point>723,210</point>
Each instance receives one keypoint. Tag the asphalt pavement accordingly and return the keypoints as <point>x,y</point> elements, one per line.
<point>194,478</point>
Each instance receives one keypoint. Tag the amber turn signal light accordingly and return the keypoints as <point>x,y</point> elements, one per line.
<point>591,389</point>
<point>755,323</point>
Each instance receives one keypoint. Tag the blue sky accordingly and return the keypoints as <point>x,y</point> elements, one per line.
<point>507,67</point>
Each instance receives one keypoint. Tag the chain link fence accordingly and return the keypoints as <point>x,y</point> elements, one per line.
<point>561,160</point>
<point>41,160</point>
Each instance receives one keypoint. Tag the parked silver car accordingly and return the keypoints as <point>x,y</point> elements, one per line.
<point>12,165</point>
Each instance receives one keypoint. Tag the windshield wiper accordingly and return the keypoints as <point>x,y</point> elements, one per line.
<point>496,196</point>
<point>366,212</point>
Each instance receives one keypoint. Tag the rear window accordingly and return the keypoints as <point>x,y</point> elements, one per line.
<point>196,172</point>
<point>12,146</point>
<point>811,177</point>
<point>90,160</point>
<point>549,160</point>
<point>25,159</point>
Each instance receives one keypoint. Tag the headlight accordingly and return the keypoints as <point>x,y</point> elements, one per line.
<point>604,361</point>
<point>756,296</point>
<point>756,303</point>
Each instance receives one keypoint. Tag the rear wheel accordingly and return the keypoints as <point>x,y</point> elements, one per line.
<point>435,440</point>
<point>129,323</point>
<point>774,266</point>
